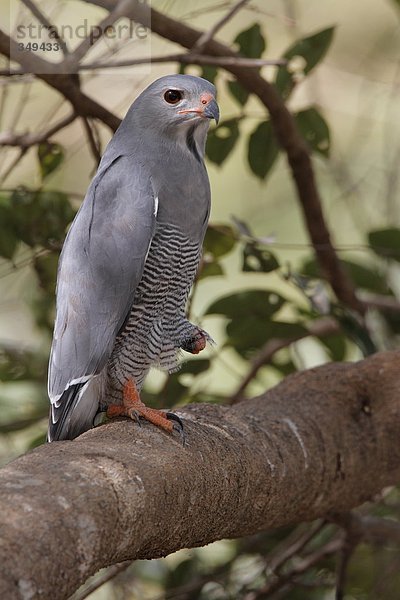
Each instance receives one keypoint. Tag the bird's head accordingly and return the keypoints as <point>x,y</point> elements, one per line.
<point>175,103</point>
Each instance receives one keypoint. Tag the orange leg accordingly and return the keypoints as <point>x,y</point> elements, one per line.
<point>134,408</point>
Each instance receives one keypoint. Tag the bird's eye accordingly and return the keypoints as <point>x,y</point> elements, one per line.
<point>172,96</point>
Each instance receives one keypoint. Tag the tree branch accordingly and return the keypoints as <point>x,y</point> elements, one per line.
<point>41,17</point>
<point>66,84</point>
<point>321,442</point>
<point>26,140</point>
<point>210,34</point>
<point>186,58</point>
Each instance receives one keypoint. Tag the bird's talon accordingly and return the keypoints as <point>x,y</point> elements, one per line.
<point>177,425</point>
<point>135,416</point>
<point>173,417</point>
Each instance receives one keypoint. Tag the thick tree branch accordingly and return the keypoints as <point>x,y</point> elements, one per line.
<point>321,442</point>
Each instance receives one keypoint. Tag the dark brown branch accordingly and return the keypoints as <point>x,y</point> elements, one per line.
<point>321,442</point>
<point>26,140</point>
<point>346,552</point>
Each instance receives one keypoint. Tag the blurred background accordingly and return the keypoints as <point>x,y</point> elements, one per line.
<point>259,279</point>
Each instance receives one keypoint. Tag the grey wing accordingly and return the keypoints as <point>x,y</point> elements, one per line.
<point>100,267</point>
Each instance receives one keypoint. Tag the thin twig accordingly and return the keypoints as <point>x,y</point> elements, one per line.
<point>26,140</point>
<point>320,327</point>
<point>291,547</point>
<point>49,26</point>
<point>187,58</point>
<point>208,35</point>
<point>105,576</point>
<point>349,545</point>
<point>74,58</point>
<point>92,142</point>
<point>299,568</point>
<point>375,530</point>
<point>12,166</point>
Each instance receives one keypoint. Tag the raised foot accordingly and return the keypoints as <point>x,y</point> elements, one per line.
<point>134,408</point>
<point>197,342</point>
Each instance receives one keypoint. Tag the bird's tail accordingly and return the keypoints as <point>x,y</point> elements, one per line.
<point>74,412</point>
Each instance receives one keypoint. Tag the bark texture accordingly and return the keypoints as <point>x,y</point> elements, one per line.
<point>322,441</point>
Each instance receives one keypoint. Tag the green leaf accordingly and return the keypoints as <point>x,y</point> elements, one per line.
<point>285,368</point>
<point>249,333</point>
<point>311,49</point>
<point>257,258</point>
<point>207,72</point>
<point>363,276</point>
<point>194,367</point>
<point>315,130</point>
<point>210,73</point>
<point>222,140</point>
<point>392,319</point>
<point>210,269</point>
<point>336,346</point>
<point>8,237</point>
<point>256,303</point>
<point>219,240</point>
<point>40,218</point>
<point>262,150</point>
<point>238,92</point>
<point>355,331</point>
<point>251,44</point>
<point>385,242</point>
<point>46,270</point>
<point>50,157</point>
<point>21,365</point>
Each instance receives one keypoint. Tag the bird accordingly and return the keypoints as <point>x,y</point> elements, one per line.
<point>129,261</point>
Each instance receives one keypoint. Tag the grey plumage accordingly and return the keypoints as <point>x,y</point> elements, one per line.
<point>131,255</point>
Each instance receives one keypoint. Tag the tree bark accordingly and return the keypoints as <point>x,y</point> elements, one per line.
<point>322,441</point>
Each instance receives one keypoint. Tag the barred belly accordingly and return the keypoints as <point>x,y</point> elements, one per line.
<point>156,327</point>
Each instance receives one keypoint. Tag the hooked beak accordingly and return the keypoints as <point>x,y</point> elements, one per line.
<point>210,111</point>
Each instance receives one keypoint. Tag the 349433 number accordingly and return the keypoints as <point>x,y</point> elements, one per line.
<point>35,47</point>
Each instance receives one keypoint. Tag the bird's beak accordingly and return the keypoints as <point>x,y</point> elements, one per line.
<point>211,111</point>
<point>209,108</point>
